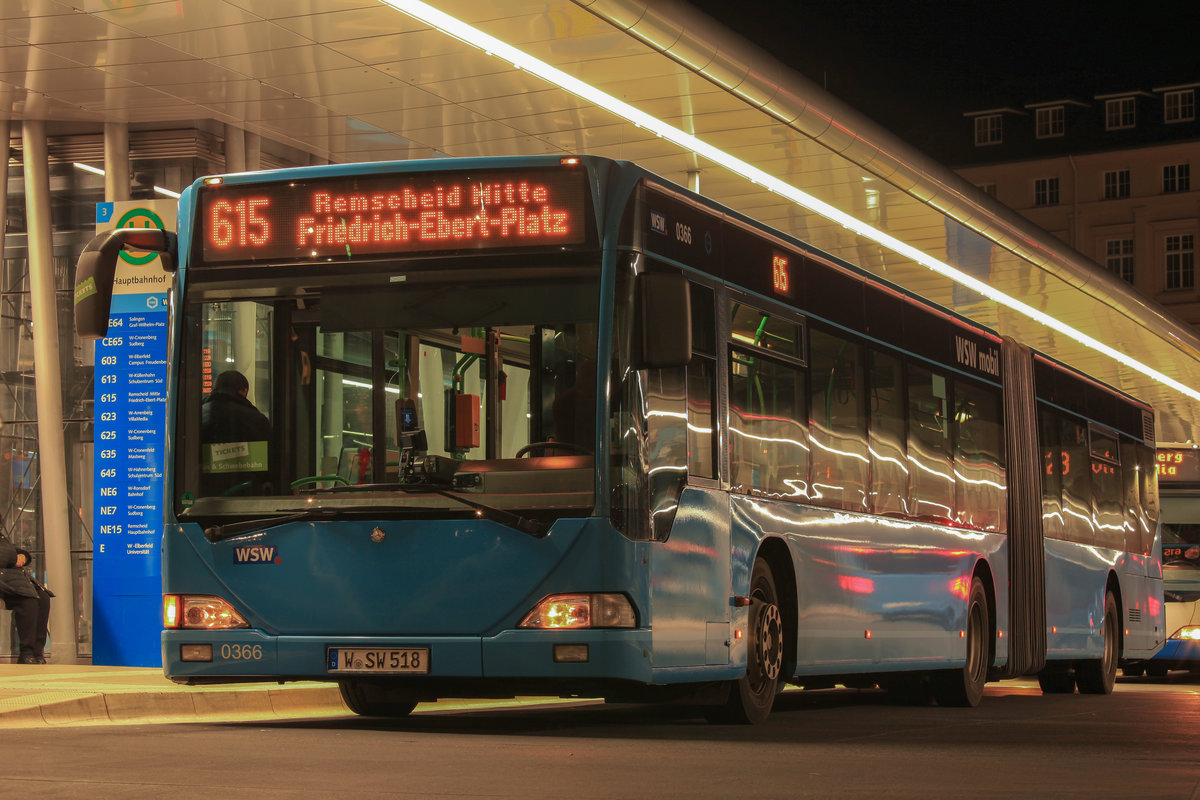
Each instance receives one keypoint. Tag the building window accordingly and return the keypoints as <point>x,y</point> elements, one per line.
<point>1177,178</point>
<point>1181,261</point>
<point>1119,258</point>
<point>1050,122</point>
<point>1119,113</point>
<point>1179,106</point>
<point>1045,192</point>
<point>1116,184</point>
<point>989,130</point>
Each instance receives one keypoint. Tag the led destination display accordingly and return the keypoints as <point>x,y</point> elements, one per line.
<point>344,218</point>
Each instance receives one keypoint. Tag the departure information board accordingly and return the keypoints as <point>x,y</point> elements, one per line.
<point>130,450</point>
<point>340,218</point>
<point>1179,466</point>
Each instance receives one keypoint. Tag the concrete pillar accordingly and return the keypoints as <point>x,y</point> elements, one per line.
<point>56,525</point>
<point>5,128</point>
<point>235,149</point>
<point>253,151</point>
<point>116,162</point>
<point>6,628</point>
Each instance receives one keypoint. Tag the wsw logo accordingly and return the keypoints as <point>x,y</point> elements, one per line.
<point>256,554</point>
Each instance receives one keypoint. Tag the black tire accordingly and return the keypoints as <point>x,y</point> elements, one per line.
<point>1133,672</point>
<point>369,699</point>
<point>964,687</point>
<point>1099,675</point>
<point>1157,671</point>
<point>752,695</point>
<point>1057,679</point>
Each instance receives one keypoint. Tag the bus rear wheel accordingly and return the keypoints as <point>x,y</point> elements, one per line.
<point>752,695</point>
<point>964,687</point>
<point>370,699</point>
<point>1098,676</point>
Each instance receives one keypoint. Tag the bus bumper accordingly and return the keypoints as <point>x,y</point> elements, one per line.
<point>1179,654</point>
<point>223,656</point>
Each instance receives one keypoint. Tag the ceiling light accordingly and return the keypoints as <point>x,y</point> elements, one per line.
<point>493,46</point>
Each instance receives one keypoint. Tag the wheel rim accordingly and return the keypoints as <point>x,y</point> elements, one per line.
<point>976,661</point>
<point>1110,643</point>
<point>766,660</point>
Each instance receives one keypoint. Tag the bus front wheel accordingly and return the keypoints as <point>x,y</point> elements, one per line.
<point>752,695</point>
<point>370,699</point>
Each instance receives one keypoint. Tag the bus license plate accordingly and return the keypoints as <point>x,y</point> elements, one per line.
<point>379,660</point>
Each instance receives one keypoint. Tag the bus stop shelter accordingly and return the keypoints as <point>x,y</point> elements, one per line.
<point>650,81</point>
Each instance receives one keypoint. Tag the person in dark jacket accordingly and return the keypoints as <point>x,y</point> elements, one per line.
<point>27,599</point>
<point>227,417</point>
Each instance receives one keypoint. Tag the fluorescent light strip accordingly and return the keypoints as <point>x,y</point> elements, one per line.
<point>476,38</point>
<point>98,171</point>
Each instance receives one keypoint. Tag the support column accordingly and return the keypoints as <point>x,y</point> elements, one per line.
<point>5,128</point>
<point>56,525</point>
<point>253,151</point>
<point>116,161</point>
<point>235,149</point>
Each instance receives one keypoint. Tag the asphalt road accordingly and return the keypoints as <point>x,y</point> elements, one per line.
<point>1140,743</point>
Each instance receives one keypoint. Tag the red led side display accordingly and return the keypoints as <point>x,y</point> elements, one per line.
<point>781,274</point>
<point>341,218</point>
<point>1178,466</point>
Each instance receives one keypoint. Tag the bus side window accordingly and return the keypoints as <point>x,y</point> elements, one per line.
<point>888,449</point>
<point>1052,475</point>
<point>931,474</point>
<point>768,437</point>
<point>837,422</point>
<point>702,385</point>
<point>1077,482</point>
<point>1130,502</point>
<point>1148,506</point>
<point>1106,489</point>
<point>979,457</point>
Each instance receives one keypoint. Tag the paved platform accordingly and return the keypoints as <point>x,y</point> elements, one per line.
<point>53,694</point>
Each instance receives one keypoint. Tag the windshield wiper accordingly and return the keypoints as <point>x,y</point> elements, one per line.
<point>533,527</point>
<point>217,533</point>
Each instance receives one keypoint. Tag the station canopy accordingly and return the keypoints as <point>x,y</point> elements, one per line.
<point>650,81</point>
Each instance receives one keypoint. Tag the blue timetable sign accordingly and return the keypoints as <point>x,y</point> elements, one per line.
<point>130,452</point>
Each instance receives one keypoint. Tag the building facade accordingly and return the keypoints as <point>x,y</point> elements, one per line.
<point>1110,176</point>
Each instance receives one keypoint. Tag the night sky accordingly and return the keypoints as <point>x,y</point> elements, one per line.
<point>916,66</point>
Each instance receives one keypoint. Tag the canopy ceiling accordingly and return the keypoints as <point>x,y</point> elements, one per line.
<point>355,80</point>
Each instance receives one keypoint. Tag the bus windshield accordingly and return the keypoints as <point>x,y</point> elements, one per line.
<point>391,397</point>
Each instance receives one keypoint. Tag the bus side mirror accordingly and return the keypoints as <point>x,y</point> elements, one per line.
<point>663,316</point>
<point>97,267</point>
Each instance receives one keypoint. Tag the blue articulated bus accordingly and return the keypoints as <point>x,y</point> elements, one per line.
<point>557,426</point>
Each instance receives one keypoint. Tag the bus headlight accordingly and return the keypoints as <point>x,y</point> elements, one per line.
<point>590,610</point>
<point>200,612</point>
<point>1190,633</point>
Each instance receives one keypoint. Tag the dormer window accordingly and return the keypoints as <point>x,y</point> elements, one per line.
<point>1179,105</point>
<point>1119,114</point>
<point>989,129</point>
<point>1050,121</point>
